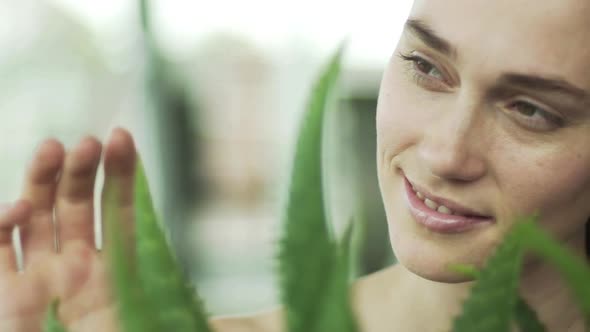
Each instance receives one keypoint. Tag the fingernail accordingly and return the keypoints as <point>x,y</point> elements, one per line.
<point>115,131</point>
<point>41,144</point>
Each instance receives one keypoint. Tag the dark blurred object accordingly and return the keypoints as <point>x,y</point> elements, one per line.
<point>375,251</point>
<point>172,115</point>
<point>360,106</point>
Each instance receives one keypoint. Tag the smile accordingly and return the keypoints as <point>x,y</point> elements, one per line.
<point>440,215</point>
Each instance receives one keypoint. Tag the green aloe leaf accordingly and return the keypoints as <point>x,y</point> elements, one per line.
<point>52,323</point>
<point>526,317</point>
<point>133,313</point>
<point>530,237</point>
<point>574,269</point>
<point>337,313</point>
<point>171,296</point>
<point>307,256</point>
<point>491,305</point>
<point>466,270</point>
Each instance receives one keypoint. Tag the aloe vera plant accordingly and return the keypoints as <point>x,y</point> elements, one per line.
<point>156,297</point>
<point>134,315</point>
<point>313,273</point>
<point>574,269</point>
<point>166,290</point>
<point>497,287</point>
<point>494,302</point>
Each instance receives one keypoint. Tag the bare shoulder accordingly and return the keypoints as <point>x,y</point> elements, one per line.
<point>370,296</point>
<point>265,321</point>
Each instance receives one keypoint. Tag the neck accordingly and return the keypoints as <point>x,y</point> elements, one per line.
<point>541,286</point>
<point>545,290</point>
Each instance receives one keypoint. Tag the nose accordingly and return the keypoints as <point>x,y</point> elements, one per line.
<point>453,146</point>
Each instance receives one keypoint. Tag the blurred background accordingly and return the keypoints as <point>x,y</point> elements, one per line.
<point>213,93</point>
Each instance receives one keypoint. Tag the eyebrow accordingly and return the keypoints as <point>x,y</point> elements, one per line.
<point>537,83</point>
<point>424,32</point>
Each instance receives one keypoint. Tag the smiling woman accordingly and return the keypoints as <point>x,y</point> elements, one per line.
<point>482,118</point>
<point>486,107</point>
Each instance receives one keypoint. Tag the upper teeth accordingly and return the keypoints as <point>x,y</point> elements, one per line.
<point>433,205</point>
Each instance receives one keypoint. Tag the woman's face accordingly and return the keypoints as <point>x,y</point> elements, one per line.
<point>485,106</point>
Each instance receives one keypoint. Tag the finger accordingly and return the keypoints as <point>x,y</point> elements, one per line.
<point>6,224</point>
<point>119,166</point>
<point>74,203</point>
<point>11,215</point>
<point>39,189</point>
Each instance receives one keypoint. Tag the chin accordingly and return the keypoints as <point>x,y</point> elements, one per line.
<point>433,272</point>
<point>431,256</point>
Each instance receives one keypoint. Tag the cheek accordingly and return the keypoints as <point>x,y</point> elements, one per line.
<point>555,184</point>
<point>398,116</point>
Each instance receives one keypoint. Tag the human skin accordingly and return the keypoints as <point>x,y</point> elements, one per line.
<point>77,273</point>
<point>449,124</point>
<point>441,121</point>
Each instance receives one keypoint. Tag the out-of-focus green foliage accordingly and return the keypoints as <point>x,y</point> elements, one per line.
<point>52,323</point>
<point>526,318</point>
<point>166,290</point>
<point>134,313</point>
<point>494,302</point>
<point>336,313</point>
<point>574,269</point>
<point>497,288</point>
<point>151,292</point>
<point>313,273</point>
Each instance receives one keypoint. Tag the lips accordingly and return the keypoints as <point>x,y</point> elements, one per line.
<point>439,214</point>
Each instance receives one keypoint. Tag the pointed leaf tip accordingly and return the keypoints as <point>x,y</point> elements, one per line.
<point>313,290</point>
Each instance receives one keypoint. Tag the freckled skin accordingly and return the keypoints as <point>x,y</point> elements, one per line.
<point>454,140</point>
<point>464,147</point>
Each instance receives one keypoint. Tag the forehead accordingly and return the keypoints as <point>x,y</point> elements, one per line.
<point>551,37</point>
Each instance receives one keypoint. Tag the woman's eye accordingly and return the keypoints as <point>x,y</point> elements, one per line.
<point>427,68</point>
<point>424,72</point>
<point>535,117</point>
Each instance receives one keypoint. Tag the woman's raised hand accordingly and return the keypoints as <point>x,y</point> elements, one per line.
<point>55,215</point>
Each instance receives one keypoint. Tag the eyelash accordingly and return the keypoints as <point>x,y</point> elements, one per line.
<point>421,78</point>
<point>550,121</point>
